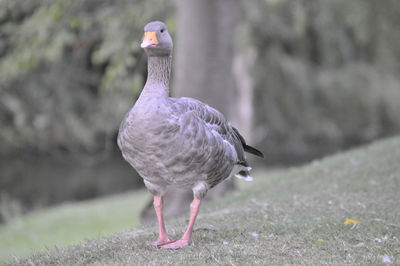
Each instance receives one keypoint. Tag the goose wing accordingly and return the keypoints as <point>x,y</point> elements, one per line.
<point>215,121</point>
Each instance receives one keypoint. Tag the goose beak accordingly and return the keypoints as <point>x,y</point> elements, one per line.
<point>149,40</point>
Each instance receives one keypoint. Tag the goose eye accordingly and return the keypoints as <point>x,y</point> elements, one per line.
<point>162,30</point>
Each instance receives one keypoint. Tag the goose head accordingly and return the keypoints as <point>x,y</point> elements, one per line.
<point>156,39</point>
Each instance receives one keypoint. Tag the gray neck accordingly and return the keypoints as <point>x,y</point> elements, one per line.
<point>159,69</point>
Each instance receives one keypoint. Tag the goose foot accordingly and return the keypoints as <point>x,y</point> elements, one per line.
<point>176,244</point>
<point>162,241</point>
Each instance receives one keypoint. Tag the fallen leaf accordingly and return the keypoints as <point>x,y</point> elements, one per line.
<point>351,221</point>
<point>320,240</point>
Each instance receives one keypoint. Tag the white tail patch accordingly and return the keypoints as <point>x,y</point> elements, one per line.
<point>245,178</point>
<point>236,170</point>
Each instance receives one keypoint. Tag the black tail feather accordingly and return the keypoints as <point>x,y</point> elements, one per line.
<point>253,150</point>
<point>246,147</point>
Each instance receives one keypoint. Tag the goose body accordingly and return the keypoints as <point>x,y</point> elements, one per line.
<point>177,141</point>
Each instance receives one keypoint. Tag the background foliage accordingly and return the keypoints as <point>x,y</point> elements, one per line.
<point>326,77</point>
<point>69,70</point>
<point>326,74</point>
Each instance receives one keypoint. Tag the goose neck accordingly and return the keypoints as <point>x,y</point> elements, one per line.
<point>158,75</point>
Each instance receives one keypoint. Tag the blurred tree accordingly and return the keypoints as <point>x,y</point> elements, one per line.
<point>203,70</point>
<point>326,75</point>
<point>204,52</point>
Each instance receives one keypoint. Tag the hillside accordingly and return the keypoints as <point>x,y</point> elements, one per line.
<point>339,210</point>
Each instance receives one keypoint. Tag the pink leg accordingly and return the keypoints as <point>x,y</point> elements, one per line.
<point>162,234</point>
<point>184,241</point>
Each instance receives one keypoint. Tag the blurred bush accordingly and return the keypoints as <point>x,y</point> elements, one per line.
<point>69,70</point>
<point>326,75</point>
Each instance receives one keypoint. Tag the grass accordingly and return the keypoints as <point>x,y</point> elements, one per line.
<point>294,216</point>
<point>70,223</point>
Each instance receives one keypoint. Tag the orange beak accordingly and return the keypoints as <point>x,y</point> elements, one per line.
<point>149,40</point>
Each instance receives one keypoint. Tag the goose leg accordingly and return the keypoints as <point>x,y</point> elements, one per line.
<point>184,241</point>
<point>162,234</point>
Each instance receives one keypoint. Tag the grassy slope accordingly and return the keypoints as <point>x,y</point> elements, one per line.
<point>294,216</point>
<point>70,223</point>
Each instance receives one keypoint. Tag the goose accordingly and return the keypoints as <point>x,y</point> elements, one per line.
<point>177,141</point>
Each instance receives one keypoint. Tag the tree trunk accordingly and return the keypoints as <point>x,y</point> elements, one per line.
<point>204,52</point>
<point>203,70</point>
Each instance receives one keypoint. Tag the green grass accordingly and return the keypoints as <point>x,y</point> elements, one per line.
<point>293,216</point>
<point>70,223</point>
